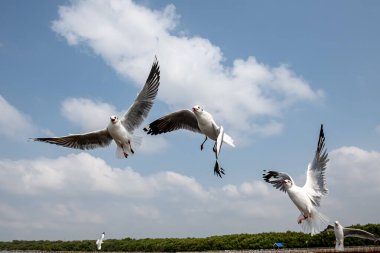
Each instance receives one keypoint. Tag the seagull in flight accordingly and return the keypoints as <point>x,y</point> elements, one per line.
<point>342,232</point>
<point>196,120</point>
<point>120,130</point>
<point>308,197</point>
<point>99,242</point>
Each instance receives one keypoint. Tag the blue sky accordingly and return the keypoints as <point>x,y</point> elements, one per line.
<point>270,72</point>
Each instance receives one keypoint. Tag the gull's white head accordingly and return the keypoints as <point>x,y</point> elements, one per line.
<point>197,108</point>
<point>287,183</point>
<point>113,119</point>
<point>337,223</point>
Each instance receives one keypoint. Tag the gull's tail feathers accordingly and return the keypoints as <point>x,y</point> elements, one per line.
<point>339,246</point>
<point>316,223</point>
<point>228,140</point>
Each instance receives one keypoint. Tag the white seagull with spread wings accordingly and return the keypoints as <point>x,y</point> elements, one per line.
<point>308,197</point>
<point>341,232</point>
<point>119,130</point>
<point>196,120</point>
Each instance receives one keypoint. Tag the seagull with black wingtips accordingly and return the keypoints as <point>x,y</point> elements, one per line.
<point>120,130</point>
<point>308,197</point>
<point>196,120</point>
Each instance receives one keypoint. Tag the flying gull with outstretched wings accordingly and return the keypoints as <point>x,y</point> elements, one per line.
<point>120,130</point>
<point>308,197</point>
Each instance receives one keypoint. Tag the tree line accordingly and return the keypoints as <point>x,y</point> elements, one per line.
<point>224,242</point>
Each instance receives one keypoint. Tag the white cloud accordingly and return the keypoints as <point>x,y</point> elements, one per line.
<point>88,114</point>
<point>49,193</point>
<point>357,170</point>
<point>91,193</point>
<point>353,179</point>
<point>129,35</point>
<point>13,123</point>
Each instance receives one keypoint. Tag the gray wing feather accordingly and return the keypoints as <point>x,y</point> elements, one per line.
<point>89,140</point>
<point>353,232</point>
<point>276,179</point>
<point>139,110</point>
<point>183,119</point>
<point>315,178</point>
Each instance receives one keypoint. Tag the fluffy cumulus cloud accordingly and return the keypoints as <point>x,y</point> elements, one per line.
<point>354,185</point>
<point>363,170</point>
<point>128,35</point>
<point>13,123</point>
<point>88,114</point>
<point>46,194</point>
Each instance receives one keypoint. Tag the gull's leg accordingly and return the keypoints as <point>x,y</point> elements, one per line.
<point>129,142</point>
<point>301,218</point>
<point>125,153</point>
<point>214,149</point>
<point>203,143</point>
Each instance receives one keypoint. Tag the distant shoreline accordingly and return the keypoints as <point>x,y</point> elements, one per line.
<point>364,249</point>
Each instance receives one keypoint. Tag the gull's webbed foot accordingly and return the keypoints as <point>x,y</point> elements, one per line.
<point>218,171</point>
<point>303,217</point>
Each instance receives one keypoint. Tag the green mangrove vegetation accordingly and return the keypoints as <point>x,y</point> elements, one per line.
<point>224,242</point>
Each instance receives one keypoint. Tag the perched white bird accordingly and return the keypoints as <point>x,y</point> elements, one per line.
<point>99,242</point>
<point>119,130</point>
<point>196,120</point>
<point>308,197</point>
<point>341,232</point>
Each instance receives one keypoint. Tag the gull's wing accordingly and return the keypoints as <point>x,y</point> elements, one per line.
<point>89,140</point>
<point>139,110</point>
<point>315,184</point>
<point>99,244</point>
<point>183,119</point>
<point>353,232</point>
<point>276,179</point>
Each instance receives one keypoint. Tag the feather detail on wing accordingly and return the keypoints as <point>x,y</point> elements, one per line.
<point>276,179</point>
<point>139,110</point>
<point>89,140</point>
<point>183,119</point>
<point>315,185</point>
<point>353,232</point>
